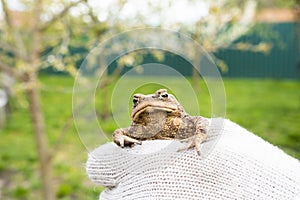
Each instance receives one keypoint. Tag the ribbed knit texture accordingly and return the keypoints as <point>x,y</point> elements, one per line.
<point>235,165</point>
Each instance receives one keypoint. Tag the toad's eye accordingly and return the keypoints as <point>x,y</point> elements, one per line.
<point>164,95</point>
<point>135,101</point>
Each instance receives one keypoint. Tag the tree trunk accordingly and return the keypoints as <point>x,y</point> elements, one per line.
<point>40,136</point>
<point>105,109</point>
<point>195,79</point>
<point>35,104</point>
<point>106,113</point>
<point>196,71</point>
<point>196,63</point>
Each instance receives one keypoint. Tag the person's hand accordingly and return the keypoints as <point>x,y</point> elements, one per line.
<point>234,164</point>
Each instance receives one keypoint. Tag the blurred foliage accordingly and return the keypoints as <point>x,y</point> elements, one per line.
<point>276,3</point>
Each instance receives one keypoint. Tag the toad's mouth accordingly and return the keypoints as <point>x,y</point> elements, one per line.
<point>150,108</point>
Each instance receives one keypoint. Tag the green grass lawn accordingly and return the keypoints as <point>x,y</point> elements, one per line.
<point>269,108</point>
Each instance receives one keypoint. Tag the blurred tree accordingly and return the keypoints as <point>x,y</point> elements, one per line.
<point>31,38</point>
<point>213,24</point>
<point>226,21</point>
<point>103,22</point>
<point>98,29</point>
<point>276,4</point>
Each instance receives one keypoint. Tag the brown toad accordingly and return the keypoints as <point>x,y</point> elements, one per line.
<point>160,116</point>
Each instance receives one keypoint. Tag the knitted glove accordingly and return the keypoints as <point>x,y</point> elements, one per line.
<point>237,165</point>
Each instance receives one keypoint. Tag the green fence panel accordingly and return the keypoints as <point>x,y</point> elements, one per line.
<point>280,62</point>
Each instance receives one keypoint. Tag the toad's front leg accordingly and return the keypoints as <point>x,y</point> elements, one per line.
<point>120,138</point>
<point>199,136</point>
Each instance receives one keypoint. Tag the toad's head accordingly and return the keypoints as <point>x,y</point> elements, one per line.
<point>160,101</point>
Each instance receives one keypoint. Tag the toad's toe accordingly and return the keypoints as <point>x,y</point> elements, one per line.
<point>194,141</point>
<point>122,140</point>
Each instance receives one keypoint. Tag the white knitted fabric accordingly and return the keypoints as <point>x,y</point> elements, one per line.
<point>237,165</point>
